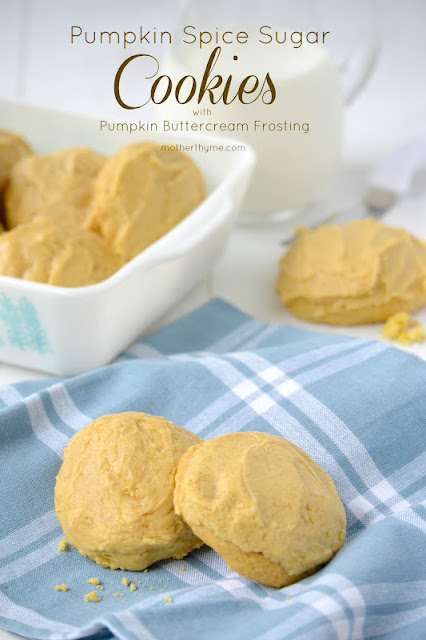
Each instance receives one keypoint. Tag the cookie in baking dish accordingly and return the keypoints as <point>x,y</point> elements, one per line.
<point>141,193</point>
<point>57,185</point>
<point>12,149</point>
<point>262,503</point>
<point>58,254</point>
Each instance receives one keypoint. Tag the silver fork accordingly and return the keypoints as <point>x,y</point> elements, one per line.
<point>390,179</point>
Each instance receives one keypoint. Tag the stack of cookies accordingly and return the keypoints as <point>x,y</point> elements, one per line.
<point>135,488</point>
<point>74,217</point>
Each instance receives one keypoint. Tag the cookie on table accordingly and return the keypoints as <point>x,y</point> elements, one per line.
<point>355,273</point>
<point>263,504</point>
<point>114,491</point>
<point>141,193</point>
<point>58,254</point>
<point>12,149</point>
<point>57,185</point>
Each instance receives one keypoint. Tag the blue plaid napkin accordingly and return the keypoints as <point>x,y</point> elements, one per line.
<point>357,406</point>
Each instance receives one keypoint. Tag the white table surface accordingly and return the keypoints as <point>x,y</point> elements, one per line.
<point>391,108</point>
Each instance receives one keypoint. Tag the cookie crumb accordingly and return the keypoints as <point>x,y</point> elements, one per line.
<point>125,581</point>
<point>93,581</point>
<point>117,594</point>
<point>132,586</point>
<point>167,599</point>
<point>152,589</point>
<point>92,596</point>
<point>145,570</point>
<point>63,545</point>
<point>61,587</point>
<point>400,327</point>
<point>182,568</point>
<point>415,334</point>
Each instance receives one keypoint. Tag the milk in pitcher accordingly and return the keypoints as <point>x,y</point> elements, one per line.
<point>297,137</point>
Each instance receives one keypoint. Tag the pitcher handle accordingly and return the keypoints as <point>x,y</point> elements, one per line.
<point>357,68</point>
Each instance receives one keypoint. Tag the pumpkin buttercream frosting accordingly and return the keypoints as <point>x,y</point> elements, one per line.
<point>58,254</point>
<point>58,185</point>
<point>359,272</point>
<point>114,491</point>
<point>262,503</point>
<point>12,149</point>
<point>142,192</point>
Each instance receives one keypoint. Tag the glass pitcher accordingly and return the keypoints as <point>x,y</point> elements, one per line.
<point>317,55</point>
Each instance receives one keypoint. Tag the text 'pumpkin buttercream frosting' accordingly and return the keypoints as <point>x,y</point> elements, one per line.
<point>360,272</point>
<point>262,503</point>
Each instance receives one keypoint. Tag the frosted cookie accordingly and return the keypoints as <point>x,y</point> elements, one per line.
<point>57,185</point>
<point>353,273</point>
<point>12,149</point>
<point>264,505</point>
<point>141,193</point>
<point>62,255</point>
<point>114,491</point>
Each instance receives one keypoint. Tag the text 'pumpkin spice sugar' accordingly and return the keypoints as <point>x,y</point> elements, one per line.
<point>114,491</point>
<point>359,272</point>
<point>262,503</point>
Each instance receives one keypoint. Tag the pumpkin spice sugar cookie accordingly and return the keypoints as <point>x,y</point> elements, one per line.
<point>12,149</point>
<point>354,273</point>
<point>114,491</point>
<point>142,192</point>
<point>58,254</point>
<point>263,504</point>
<point>57,185</point>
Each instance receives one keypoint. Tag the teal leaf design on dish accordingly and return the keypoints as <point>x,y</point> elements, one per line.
<point>22,324</point>
<point>11,318</point>
<point>36,339</point>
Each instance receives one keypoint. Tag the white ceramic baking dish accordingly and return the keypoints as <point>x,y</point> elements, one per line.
<point>67,331</point>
